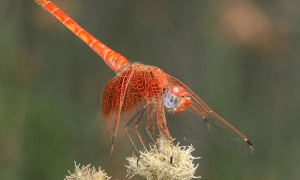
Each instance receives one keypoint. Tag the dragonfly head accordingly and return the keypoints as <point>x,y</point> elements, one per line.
<point>176,99</point>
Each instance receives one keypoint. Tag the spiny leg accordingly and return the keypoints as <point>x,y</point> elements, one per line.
<point>129,123</point>
<point>162,125</point>
<point>137,161</point>
<point>147,127</point>
<point>136,126</point>
<point>161,122</point>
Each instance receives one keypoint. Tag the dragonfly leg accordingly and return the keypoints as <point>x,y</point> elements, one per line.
<point>148,125</point>
<point>137,161</point>
<point>129,123</point>
<point>136,126</point>
<point>164,129</point>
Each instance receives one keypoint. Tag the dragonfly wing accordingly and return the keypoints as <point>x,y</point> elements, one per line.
<point>142,128</point>
<point>189,125</point>
<point>112,102</point>
<point>144,114</point>
<point>226,136</point>
<point>207,125</point>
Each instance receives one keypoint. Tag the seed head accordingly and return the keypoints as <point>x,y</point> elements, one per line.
<point>164,162</point>
<point>87,173</point>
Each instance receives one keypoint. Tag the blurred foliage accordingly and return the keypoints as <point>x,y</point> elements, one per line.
<point>240,57</point>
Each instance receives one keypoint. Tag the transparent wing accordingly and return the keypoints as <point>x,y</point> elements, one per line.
<point>112,100</point>
<point>142,128</point>
<point>188,125</point>
<point>146,118</point>
<point>135,97</point>
<point>198,122</point>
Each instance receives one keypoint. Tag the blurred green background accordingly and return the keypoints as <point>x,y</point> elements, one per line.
<point>240,57</point>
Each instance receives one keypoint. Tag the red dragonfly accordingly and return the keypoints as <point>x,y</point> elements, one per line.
<point>152,102</point>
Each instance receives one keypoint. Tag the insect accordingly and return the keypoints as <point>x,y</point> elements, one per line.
<point>152,102</point>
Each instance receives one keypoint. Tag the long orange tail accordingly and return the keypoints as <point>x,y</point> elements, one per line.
<point>113,59</point>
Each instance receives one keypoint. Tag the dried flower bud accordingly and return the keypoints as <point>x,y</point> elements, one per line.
<point>87,173</point>
<point>164,162</point>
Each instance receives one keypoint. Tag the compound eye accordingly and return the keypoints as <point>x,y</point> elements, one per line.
<point>171,101</point>
<point>178,91</point>
<point>172,98</point>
